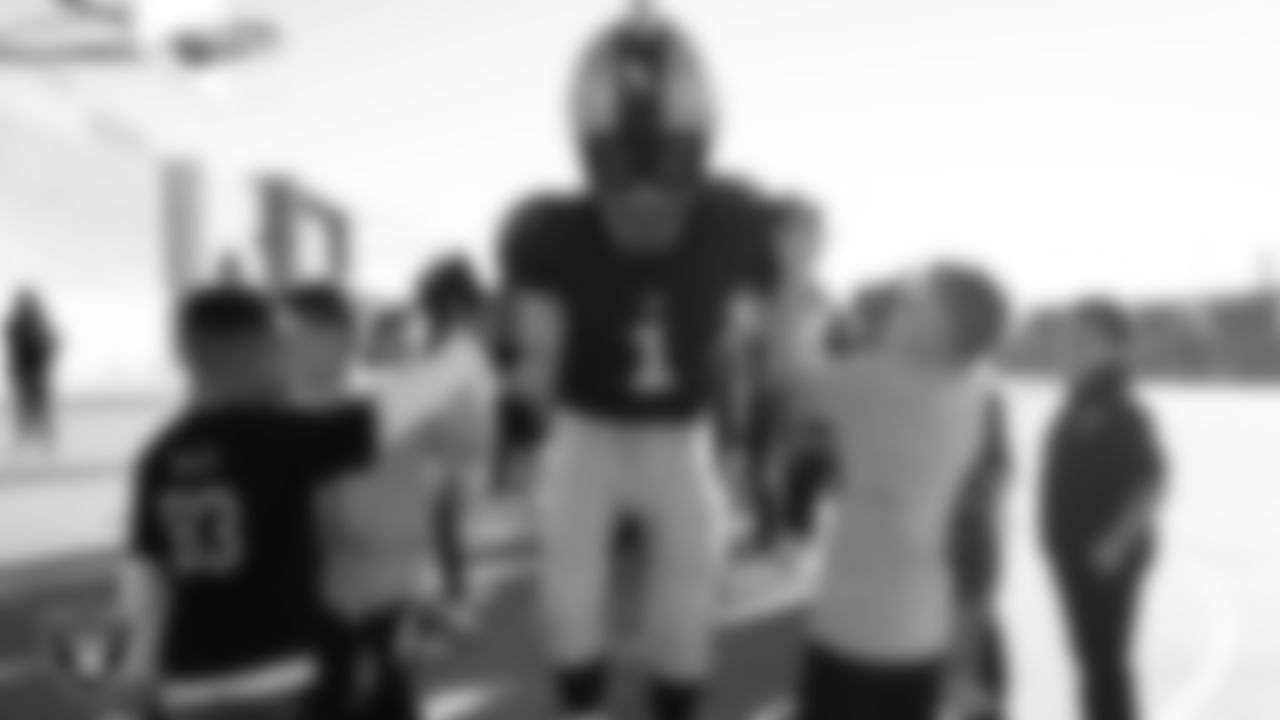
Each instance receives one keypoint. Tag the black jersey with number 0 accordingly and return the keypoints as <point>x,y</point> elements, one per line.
<point>224,509</point>
<point>644,328</point>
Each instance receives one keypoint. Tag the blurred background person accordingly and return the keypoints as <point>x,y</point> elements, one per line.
<point>33,353</point>
<point>979,683</point>
<point>1104,482</point>
<point>521,428</point>
<point>453,305</point>
<point>389,337</point>
<point>801,462</point>
<point>872,306</point>
<point>776,466</point>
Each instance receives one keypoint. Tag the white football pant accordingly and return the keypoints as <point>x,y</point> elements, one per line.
<point>594,475</point>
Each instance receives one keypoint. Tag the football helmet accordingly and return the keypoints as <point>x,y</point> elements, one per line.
<point>643,109</point>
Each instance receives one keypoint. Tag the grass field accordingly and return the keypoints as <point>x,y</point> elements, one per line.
<point>1210,645</point>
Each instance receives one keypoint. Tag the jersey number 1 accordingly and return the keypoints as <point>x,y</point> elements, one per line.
<point>205,528</point>
<point>652,373</point>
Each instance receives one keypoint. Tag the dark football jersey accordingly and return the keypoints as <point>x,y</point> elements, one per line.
<point>224,510</point>
<point>645,330</point>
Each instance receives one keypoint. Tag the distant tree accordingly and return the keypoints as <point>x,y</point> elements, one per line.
<point>1227,337</point>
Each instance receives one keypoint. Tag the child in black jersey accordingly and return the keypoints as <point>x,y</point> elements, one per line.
<point>223,564</point>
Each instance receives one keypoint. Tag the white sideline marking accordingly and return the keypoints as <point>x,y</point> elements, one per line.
<point>1223,646</point>
<point>459,703</point>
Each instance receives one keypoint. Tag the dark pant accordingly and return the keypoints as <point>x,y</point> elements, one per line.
<point>993,668</point>
<point>976,561</point>
<point>363,676</point>
<point>985,664</point>
<point>33,412</point>
<point>834,686</point>
<point>1101,616</point>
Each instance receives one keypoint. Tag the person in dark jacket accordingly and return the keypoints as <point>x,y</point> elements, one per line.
<point>32,350</point>
<point>1105,478</point>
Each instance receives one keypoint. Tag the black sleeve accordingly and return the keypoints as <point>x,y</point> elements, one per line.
<point>527,257</point>
<point>143,531</point>
<point>342,440</point>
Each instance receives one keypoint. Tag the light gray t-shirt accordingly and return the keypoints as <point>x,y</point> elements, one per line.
<point>905,438</point>
<point>382,518</point>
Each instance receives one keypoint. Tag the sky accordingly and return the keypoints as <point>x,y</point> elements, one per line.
<point>1123,146</point>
